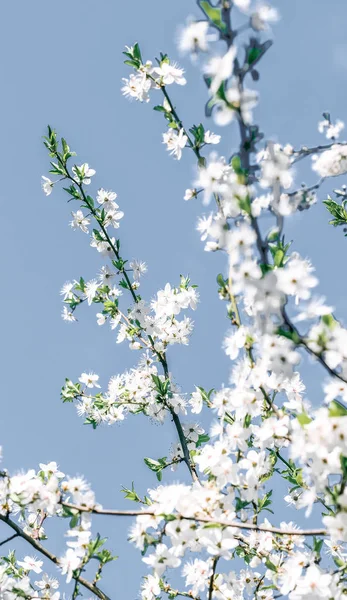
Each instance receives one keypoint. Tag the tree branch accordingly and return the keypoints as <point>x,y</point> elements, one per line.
<point>235,525</point>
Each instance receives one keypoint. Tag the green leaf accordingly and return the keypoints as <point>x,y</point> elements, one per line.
<point>236,164</point>
<point>270,565</point>
<point>337,410</point>
<point>74,521</point>
<point>205,395</point>
<point>278,258</point>
<point>203,438</point>
<point>344,466</point>
<point>137,52</point>
<point>214,14</point>
<point>198,131</point>
<point>253,54</point>
<point>105,556</point>
<point>289,334</point>
<point>131,63</point>
<point>240,551</point>
<point>156,465</point>
<point>337,210</point>
<point>160,108</point>
<point>317,545</point>
<point>265,501</point>
<point>221,281</point>
<point>256,51</point>
<point>245,204</point>
<point>123,284</point>
<point>329,321</point>
<point>90,202</point>
<point>57,170</point>
<point>90,421</point>
<point>213,526</point>
<point>304,419</point>
<point>272,236</point>
<point>131,494</point>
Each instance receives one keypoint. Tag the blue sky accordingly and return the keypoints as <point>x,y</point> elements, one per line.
<point>62,64</point>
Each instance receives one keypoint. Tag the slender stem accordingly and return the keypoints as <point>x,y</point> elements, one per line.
<point>183,442</point>
<point>210,588</point>
<point>35,544</point>
<point>236,314</point>
<point>98,573</point>
<point>258,585</point>
<point>180,431</point>
<point>169,590</point>
<point>317,355</point>
<point>303,152</point>
<point>104,230</point>
<point>179,123</point>
<point>313,187</point>
<point>12,537</point>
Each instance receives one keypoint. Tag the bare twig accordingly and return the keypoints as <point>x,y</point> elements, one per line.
<point>222,523</point>
<point>12,537</point>
<point>210,587</point>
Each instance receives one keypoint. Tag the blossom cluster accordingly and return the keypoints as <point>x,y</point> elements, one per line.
<point>38,496</point>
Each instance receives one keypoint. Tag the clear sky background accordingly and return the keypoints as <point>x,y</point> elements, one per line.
<point>61,64</point>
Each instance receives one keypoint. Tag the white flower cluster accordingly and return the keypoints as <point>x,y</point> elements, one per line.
<point>332,162</point>
<point>332,130</point>
<point>147,77</point>
<point>328,338</point>
<point>320,445</point>
<point>15,580</point>
<point>131,392</point>
<point>276,166</point>
<point>38,496</point>
<point>219,178</point>
<point>186,532</point>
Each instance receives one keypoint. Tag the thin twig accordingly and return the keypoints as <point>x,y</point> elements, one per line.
<point>210,587</point>
<point>12,537</point>
<point>235,525</point>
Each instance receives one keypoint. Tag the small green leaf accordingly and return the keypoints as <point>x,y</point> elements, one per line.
<point>203,438</point>
<point>214,14</point>
<point>270,565</point>
<point>132,63</point>
<point>131,494</point>
<point>329,321</point>
<point>278,258</point>
<point>236,163</point>
<point>289,334</point>
<point>137,52</point>
<point>221,281</point>
<point>160,108</point>
<point>303,419</point>
<point>337,410</point>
